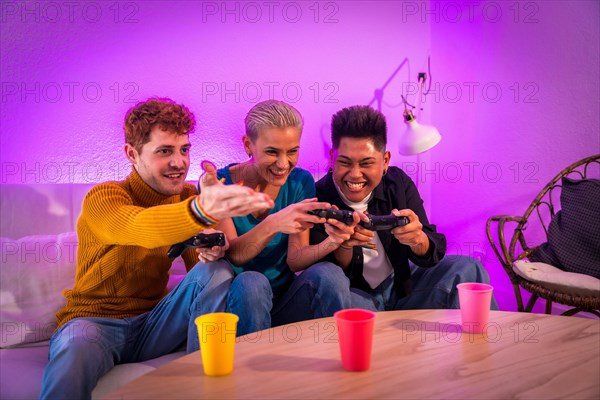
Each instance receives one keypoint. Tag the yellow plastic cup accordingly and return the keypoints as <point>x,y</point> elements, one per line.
<point>217,334</point>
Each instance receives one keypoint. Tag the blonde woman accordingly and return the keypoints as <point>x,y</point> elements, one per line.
<point>267,248</point>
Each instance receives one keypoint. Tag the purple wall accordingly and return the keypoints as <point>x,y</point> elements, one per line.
<point>64,83</point>
<point>533,110</point>
<point>515,88</point>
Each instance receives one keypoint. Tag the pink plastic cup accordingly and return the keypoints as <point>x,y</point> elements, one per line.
<point>475,301</point>
<point>355,333</point>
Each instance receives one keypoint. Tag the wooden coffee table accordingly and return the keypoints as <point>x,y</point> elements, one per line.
<point>416,354</point>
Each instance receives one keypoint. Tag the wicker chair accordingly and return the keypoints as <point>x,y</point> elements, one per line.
<point>519,248</point>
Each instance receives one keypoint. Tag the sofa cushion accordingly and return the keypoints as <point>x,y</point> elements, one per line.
<point>574,233</point>
<point>39,209</point>
<point>21,371</point>
<point>125,373</point>
<point>34,272</point>
<point>556,279</point>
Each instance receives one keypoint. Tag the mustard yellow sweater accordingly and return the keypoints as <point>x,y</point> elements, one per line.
<point>124,231</point>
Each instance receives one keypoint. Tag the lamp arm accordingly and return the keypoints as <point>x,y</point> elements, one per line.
<point>378,96</point>
<point>419,107</point>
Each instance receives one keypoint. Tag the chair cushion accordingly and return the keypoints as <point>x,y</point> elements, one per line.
<point>554,278</point>
<point>574,233</point>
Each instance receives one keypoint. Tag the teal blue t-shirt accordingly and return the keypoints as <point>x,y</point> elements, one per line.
<point>271,261</point>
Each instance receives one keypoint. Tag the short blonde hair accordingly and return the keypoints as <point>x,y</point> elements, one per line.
<point>271,114</point>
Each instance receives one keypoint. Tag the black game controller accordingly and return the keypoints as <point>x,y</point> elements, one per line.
<point>200,240</point>
<point>384,222</point>
<point>344,216</point>
<point>375,223</point>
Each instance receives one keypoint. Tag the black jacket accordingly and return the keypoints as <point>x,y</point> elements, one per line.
<point>396,190</point>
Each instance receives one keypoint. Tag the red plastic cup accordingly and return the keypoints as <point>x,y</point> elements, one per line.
<point>475,301</point>
<point>355,333</point>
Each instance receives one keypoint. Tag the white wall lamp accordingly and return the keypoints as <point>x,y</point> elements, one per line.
<point>417,138</point>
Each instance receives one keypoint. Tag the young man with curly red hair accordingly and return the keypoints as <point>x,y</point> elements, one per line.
<point>119,310</point>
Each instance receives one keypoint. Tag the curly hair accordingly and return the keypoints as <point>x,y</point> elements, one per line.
<point>361,122</point>
<point>156,111</point>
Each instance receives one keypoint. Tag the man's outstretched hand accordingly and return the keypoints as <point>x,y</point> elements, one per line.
<point>226,201</point>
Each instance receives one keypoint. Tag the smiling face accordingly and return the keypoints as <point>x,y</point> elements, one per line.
<point>358,167</point>
<point>163,162</point>
<point>274,153</point>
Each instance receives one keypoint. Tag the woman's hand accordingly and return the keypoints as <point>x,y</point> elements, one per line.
<point>295,218</point>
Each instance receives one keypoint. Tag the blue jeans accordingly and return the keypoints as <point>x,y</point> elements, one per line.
<point>85,349</point>
<point>431,287</point>
<point>318,292</point>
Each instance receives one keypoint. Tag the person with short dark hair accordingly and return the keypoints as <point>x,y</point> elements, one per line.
<point>406,267</point>
<point>119,310</point>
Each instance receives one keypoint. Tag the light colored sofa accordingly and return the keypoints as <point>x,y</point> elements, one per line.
<point>38,248</point>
